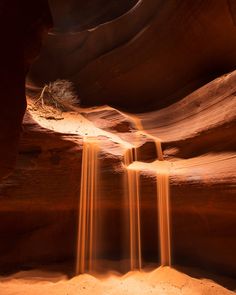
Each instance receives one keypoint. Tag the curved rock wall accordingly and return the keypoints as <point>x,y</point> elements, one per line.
<point>146,58</point>
<point>77,15</point>
<point>153,55</point>
<point>65,54</point>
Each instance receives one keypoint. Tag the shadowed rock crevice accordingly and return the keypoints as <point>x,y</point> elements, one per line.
<point>73,15</point>
<point>232,9</point>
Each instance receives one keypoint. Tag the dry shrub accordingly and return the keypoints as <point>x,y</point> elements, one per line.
<point>60,94</point>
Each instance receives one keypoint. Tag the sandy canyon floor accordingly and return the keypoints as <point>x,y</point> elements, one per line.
<point>162,281</point>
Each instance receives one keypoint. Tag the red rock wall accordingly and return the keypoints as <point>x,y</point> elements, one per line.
<point>144,59</point>
<point>39,200</point>
<point>74,15</point>
<point>22,24</point>
<point>155,54</point>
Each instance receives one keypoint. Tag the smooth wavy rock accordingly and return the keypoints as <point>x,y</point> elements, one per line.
<point>154,54</point>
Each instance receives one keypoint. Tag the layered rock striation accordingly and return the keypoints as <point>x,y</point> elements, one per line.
<point>39,202</point>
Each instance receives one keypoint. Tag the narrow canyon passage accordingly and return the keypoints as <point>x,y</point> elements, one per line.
<point>118,147</point>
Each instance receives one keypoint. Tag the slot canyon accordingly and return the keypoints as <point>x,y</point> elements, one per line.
<point>117,147</point>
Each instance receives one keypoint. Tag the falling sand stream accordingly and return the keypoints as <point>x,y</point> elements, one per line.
<point>163,207</point>
<point>87,208</point>
<point>133,190</point>
<point>87,233</point>
<point>133,194</point>
<point>164,214</point>
<point>163,200</point>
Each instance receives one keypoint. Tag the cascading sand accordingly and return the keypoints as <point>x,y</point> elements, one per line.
<point>133,193</point>
<point>163,205</point>
<point>87,208</point>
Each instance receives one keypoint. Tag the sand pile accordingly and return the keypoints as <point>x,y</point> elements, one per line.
<point>162,281</point>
